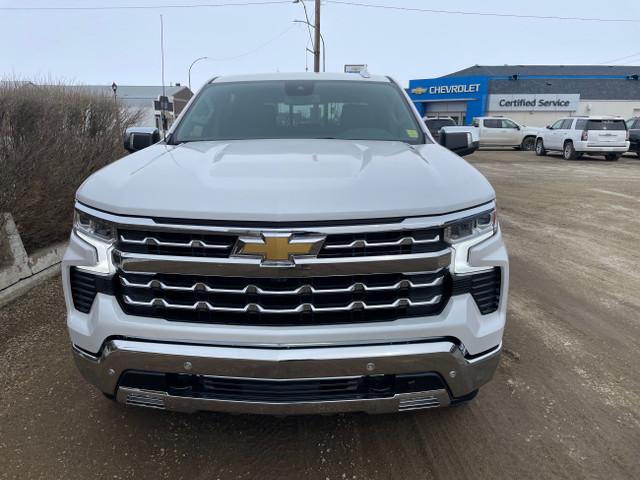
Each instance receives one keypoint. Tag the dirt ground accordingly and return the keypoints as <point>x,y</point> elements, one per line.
<point>564,403</point>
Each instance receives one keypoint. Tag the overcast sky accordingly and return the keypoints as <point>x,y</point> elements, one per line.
<point>411,40</point>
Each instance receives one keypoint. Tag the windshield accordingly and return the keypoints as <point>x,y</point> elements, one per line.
<point>299,109</point>
<point>606,125</point>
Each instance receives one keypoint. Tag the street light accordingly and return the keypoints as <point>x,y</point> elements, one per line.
<point>321,38</point>
<point>196,60</point>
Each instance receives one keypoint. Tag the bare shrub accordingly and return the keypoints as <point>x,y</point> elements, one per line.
<point>51,139</point>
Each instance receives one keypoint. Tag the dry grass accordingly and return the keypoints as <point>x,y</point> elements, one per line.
<point>51,139</point>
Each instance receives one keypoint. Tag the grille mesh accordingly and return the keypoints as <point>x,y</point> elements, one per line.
<point>288,301</point>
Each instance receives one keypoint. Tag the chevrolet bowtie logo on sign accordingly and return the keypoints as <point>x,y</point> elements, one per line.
<point>418,91</point>
<point>277,249</point>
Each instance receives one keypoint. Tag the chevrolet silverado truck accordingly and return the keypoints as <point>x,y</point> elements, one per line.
<point>296,244</point>
<point>504,132</point>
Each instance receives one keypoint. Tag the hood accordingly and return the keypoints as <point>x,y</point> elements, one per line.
<point>529,129</point>
<point>287,180</point>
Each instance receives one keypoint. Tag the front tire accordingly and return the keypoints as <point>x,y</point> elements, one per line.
<point>569,153</point>
<point>540,151</point>
<point>528,144</point>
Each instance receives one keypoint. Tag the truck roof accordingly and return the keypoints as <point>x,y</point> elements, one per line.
<point>299,76</point>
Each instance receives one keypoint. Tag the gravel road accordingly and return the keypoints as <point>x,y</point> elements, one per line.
<point>565,401</point>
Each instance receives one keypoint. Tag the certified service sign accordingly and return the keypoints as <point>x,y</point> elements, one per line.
<point>533,102</point>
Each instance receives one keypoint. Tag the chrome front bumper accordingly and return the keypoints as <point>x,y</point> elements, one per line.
<point>462,376</point>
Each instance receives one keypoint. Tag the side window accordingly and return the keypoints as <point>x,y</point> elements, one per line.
<point>492,123</point>
<point>509,124</point>
<point>631,121</point>
<point>581,123</point>
<point>566,124</point>
<point>557,125</point>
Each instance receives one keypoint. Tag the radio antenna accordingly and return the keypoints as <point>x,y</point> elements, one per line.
<point>163,121</point>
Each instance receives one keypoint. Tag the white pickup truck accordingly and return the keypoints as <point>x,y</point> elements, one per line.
<point>504,132</point>
<point>296,244</point>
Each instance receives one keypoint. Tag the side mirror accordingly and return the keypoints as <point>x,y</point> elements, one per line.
<point>548,127</point>
<point>460,143</point>
<point>137,138</point>
<point>518,127</point>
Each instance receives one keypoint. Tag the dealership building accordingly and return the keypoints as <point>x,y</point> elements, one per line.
<point>530,94</point>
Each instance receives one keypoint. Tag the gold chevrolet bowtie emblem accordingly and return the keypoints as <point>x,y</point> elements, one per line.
<point>418,91</point>
<point>278,248</point>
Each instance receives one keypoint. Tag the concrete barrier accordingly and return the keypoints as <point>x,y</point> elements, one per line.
<point>18,270</point>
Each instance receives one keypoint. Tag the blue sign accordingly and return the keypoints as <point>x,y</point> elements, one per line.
<point>473,89</point>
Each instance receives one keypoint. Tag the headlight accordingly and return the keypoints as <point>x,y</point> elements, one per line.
<point>94,227</point>
<point>471,227</point>
<point>467,233</point>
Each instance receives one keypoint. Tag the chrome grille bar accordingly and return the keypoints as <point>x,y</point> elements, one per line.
<point>189,244</point>
<point>398,243</point>
<point>303,267</point>
<point>356,287</point>
<point>304,307</point>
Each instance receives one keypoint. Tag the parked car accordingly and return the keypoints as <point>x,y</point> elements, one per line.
<point>434,124</point>
<point>593,135</point>
<point>633,124</point>
<point>463,140</point>
<point>252,262</point>
<point>504,132</point>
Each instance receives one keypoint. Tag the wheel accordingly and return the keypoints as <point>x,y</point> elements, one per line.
<point>569,153</point>
<point>612,157</point>
<point>528,144</point>
<point>540,151</point>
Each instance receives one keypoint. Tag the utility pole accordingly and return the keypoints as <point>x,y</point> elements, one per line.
<point>317,35</point>
<point>316,42</point>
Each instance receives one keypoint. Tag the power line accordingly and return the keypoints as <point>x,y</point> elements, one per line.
<point>481,14</point>
<point>145,7</point>
<point>255,49</point>
<point>621,58</point>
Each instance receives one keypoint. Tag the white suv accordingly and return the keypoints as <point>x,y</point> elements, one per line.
<point>575,136</point>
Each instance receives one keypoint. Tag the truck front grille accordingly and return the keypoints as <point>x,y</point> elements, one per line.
<point>283,301</point>
<point>211,245</point>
